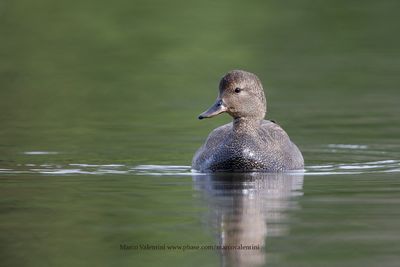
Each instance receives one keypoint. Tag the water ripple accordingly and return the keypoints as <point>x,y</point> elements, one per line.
<point>40,153</point>
<point>348,146</point>
<point>381,166</point>
<point>354,151</point>
<point>389,165</point>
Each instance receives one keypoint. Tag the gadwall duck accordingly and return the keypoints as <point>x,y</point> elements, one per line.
<point>249,143</point>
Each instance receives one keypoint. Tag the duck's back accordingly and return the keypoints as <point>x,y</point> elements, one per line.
<point>267,148</point>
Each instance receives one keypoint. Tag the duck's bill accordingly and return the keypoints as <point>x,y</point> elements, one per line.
<point>214,110</point>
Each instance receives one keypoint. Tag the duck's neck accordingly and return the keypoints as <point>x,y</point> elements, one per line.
<point>245,124</point>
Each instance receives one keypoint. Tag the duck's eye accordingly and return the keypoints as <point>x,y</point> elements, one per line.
<point>237,90</point>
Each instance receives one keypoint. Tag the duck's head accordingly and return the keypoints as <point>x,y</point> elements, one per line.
<point>241,95</point>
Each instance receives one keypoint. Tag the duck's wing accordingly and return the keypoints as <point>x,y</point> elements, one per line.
<point>277,141</point>
<point>271,132</point>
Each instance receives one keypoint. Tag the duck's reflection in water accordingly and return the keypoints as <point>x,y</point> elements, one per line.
<point>244,209</point>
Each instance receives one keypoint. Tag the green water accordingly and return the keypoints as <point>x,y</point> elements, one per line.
<point>98,108</point>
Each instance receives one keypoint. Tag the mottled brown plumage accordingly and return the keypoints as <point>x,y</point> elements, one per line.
<point>249,143</point>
